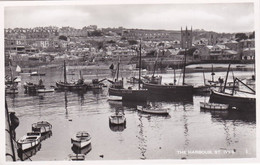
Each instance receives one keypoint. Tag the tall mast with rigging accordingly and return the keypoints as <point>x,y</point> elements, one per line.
<point>140,65</point>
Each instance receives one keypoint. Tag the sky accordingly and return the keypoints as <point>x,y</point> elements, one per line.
<point>218,17</point>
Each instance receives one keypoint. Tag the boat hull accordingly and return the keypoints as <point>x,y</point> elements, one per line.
<point>214,106</point>
<point>134,95</point>
<point>241,103</point>
<point>71,86</point>
<point>169,90</point>
<point>153,111</point>
<point>42,127</point>
<point>79,143</point>
<point>45,90</point>
<point>24,145</point>
<point>114,120</point>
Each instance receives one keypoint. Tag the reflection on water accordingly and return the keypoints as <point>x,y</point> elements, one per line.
<point>146,137</point>
<point>141,138</point>
<point>85,150</point>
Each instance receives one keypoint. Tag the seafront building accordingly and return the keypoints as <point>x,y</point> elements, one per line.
<point>91,44</point>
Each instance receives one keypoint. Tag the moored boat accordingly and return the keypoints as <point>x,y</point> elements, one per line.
<point>117,119</point>
<point>29,140</point>
<point>153,110</point>
<point>37,74</point>
<point>237,99</point>
<point>81,139</point>
<point>241,101</point>
<point>42,127</point>
<point>213,106</point>
<point>44,90</point>
<point>72,86</point>
<point>32,88</point>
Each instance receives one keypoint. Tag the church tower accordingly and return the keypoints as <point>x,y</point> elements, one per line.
<point>186,38</point>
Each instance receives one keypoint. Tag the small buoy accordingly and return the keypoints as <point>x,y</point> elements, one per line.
<point>102,156</point>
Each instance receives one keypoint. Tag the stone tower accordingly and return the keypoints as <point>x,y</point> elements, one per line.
<point>186,38</point>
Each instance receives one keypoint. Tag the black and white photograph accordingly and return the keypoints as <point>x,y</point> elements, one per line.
<point>100,81</point>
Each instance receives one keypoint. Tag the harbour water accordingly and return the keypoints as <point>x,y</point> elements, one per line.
<point>186,133</point>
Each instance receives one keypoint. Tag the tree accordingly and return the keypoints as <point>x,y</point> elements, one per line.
<point>63,38</point>
<point>251,36</point>
<point>241,36</point>
<point>132,42</point>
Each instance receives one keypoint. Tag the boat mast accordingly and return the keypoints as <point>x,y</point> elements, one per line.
<point>140,65</point>
<point>65,74</point>
<point>226,79</point>
<point>183,78</point>
<point>155,64</point>
<point>117,72</point>
<point>204,78</point>
<point>174,74</point>
<point>212,73</point>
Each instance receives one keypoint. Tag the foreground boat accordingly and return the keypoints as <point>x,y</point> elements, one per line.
<point>42,127</point>
<point>23,155</point>
<point>81,139</point>
<point>153,110</point>
<point>29,140</point>
<point>213,106</point>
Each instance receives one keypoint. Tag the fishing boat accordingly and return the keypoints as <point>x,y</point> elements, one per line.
<point>129,94</point>
<point>30,87</point>
<point>29,140</point>
<point>64,85</point>
<point>153,110</point>
<point>81,139</point>
<point>76,157</point>
<point>11,89</point>
<point>117,119</point>
<point>11,83</point>
<point>42,127</point>
<point>140,94</point>
<point>171,89</point>
<point>96,84</point>
<point>237,99</point>
<point>213,106</point>
<point>133,80</point>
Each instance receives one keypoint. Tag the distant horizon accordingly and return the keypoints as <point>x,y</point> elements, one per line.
<point>216,17</point>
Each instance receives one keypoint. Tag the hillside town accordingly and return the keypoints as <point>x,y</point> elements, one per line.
<point>91,45</point>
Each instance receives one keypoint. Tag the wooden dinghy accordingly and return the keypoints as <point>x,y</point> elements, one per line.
<point>213,106</point>
<point>42,127</point>
<point>153,110</point>
<point>29,140</point>
<point>81,139</point>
